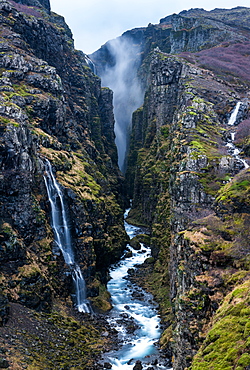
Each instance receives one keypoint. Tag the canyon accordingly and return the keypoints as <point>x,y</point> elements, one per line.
<point>171,141</point>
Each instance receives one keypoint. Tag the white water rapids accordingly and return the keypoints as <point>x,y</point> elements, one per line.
<point>128,308</point>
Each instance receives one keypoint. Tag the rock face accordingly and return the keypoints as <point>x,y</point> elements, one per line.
<point>52,106</point>
<point>187,186</point>
<point>178,165</point>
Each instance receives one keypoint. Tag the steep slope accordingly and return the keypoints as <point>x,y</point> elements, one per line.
<point>52,106</point>
<point>182,163</point>
<point>186,184</point>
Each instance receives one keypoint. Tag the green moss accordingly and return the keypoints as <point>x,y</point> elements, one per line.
<point>226,345</point>
<point>237,192</point>
<point>71,343</point>
<point>7,121</point>
<point>7,229</point>
<point>165,131</point>
<point>102,302</point>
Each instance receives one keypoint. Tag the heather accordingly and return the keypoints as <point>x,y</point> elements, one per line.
<point>227,60</point>
<point>29,10</point>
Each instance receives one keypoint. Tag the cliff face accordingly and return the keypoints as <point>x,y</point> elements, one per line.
<point>52,106</point>
<point>194,194</point>
<point>199,232</point>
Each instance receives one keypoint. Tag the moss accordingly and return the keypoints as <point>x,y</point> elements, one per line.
<point>57,341</point>
<point>102,302</point>
<point>7,229</point>
<point>226,345</point>
<point>8,121</point>
<point>166,337</point>
<point>236,194</point>
<point>72,173</point>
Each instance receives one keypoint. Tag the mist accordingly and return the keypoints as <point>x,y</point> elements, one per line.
<point>128,93</point>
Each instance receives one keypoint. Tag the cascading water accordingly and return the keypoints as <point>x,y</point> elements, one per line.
<point>61,230</point>
<point>234,114</point>
<point>231,147</point>
<point>133,309</point>
<point>90,63</point>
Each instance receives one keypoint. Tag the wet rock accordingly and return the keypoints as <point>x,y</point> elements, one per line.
<point>134,242</point>
<point>128,254</point>
<point>125,315</point>
<point>107,365</point>
<point>138,365</point>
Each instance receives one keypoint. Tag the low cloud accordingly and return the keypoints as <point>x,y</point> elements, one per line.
<point>128,93</point>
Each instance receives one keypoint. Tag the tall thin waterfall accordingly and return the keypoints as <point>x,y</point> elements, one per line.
<point>62,236</point>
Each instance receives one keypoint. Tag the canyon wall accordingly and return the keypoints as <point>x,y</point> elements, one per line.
<point>194,194</point>
<point>53,107</point>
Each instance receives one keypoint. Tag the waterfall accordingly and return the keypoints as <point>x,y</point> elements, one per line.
<point>232,148</point>
<point>234,114</point>
<point>90,63</point>
<point>62,236</point>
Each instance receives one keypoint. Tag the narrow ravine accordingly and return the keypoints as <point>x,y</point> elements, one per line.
<point>134,315</point>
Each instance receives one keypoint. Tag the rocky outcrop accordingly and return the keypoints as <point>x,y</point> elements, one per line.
<point>52,106</point>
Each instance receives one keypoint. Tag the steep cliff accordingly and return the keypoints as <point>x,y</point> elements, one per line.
<point>194,194</point>
<point>188,186</point>
<point>52,106</point>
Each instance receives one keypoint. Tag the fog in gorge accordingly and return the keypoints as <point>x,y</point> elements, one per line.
<point>121,77</point>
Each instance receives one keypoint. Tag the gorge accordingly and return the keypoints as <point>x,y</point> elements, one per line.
<point>176,143</point>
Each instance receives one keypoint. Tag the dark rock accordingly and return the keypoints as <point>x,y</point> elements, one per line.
<point>4,364</point>
<point>107,365</point>
<point>134,242</point>
<point>138,365</point>
<point>4,309</point>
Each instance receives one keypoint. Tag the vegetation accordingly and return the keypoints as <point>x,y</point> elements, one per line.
<point>227,342</point>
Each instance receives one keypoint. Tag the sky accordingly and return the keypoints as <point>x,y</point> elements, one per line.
<point>94,22</point>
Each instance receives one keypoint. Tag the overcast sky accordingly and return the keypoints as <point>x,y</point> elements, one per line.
<point>94,22</point>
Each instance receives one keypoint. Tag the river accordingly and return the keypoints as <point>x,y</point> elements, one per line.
<point>134,314</point>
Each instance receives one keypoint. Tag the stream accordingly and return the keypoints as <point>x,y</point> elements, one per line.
<point>134,314</point>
